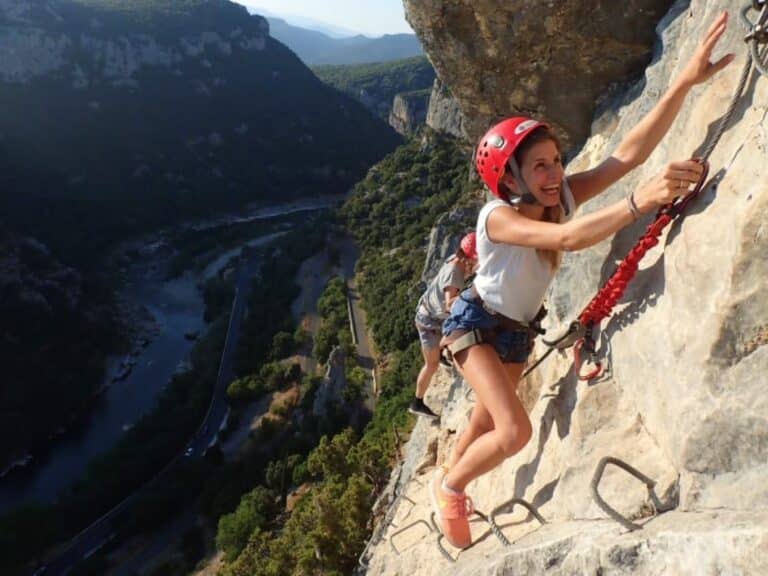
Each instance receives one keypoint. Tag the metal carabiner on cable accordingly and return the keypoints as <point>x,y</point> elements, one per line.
<point>587,344</point>
<point>757,31</point>
<point>592,357</point>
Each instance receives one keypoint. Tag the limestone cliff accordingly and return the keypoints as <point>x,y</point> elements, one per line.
<point>444,113</point>
<point>409,111</point>
<point>549,58</point>
<point>684,398</point>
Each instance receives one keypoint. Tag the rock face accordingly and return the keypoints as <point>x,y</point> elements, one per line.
<point>444,113</point>
<point>333,384</point>
<point>409,111</point>
<point>684,399</point>
<point>445,238</point>
<point>553,59</point>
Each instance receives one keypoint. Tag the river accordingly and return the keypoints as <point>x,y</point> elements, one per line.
<point>176,309</point>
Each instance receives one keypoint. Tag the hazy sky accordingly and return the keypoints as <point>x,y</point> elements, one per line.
<point>371,17</point>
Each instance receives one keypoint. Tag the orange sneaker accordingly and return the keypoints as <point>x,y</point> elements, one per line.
<point>452,512</point>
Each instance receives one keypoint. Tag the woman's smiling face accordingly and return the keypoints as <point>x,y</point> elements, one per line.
<point>542,170</point>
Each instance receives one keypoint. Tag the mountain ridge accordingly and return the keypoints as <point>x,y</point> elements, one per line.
<point>316,48</point>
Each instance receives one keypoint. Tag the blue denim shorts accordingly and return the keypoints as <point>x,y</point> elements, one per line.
<point>468,313</point>
<point>428,329</point>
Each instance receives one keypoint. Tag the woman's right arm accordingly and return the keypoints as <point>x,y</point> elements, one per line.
<point>507,225</point>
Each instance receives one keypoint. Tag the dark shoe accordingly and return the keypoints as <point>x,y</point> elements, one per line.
<point>418,407</point>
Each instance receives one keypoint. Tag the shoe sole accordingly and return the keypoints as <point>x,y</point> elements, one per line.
<point>417,413</point>
<point>435,505</point>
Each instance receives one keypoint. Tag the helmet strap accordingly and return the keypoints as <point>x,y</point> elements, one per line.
<point>525,196</point>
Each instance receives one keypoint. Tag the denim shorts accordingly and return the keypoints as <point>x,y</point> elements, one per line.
<point>468,313</point>
<point>428,329</point>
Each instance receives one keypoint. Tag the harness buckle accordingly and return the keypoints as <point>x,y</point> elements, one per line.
<point>449,350</point>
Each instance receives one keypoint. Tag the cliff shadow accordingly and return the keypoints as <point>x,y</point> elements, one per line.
<point>561,402</point>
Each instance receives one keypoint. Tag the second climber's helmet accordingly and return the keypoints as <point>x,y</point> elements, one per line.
<point>498,146</point>
<point>469,246</point>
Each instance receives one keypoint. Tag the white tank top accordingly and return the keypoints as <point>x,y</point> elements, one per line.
<point>511,279</point>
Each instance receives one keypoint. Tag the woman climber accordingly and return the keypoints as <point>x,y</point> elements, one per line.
<point>520,237</point>
<point>433,309</point>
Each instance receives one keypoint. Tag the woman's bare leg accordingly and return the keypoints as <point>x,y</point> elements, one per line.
<point>496,391</point>
<point>480,422</point>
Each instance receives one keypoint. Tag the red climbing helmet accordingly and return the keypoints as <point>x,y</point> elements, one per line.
<point>498,145</point>
<point>469,246</point>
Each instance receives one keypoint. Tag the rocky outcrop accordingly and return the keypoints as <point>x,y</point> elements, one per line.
<point>444,113</point>
<point>538,58</point>
<point>38,52</point>
<point>683,400</point>
<point>409,111</point>
<point>445,237</point>
<point>333,384</point>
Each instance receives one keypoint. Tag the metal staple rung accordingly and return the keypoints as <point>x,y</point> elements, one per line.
<point>649,484</point>
<point>405,529</point>
<point>361,559</point>
<point>511,504</point>
<point>441,536</point>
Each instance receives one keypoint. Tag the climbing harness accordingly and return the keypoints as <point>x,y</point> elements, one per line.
<point>581,332</point>
<point>461,340</point>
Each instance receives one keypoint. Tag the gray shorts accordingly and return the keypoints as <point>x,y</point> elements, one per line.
<point>429,329</point>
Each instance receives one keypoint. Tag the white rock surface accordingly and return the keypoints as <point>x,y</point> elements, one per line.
<point>685,399</point>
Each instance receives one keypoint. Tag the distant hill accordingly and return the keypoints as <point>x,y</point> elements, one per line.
<point>376,85</point>
<point>306,22</point>
<point>118,118</point>
<point>316,48</point>
<point>148,111</point>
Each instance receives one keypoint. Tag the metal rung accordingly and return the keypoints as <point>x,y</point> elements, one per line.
<point>440,537</point>
<point>361,559</point>
<point>658,505</point>
<point>405,529</point>
<point>503,508</point>
<point>413,505</point>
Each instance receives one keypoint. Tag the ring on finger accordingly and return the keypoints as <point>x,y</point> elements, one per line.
<point>682,184</point>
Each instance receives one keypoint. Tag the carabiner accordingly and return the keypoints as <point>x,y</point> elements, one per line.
<point>573,333</point>
<point>577,362</point>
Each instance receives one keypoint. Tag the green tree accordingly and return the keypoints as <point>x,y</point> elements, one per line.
<point>329,459</point>
<point>255,510</point>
